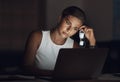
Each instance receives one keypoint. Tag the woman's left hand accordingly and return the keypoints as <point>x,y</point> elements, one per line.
<point>89,34</point>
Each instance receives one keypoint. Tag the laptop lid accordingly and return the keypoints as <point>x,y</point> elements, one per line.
<point>79,63</point>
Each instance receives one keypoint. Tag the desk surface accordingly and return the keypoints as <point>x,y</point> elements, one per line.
<point>22,78</point>
<point>63,81</point>
<point>92,81</point>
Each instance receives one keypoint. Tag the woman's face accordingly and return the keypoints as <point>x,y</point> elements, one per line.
<point>69,26</point>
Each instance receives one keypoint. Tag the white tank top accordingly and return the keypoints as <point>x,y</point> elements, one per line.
<point>48,51</point>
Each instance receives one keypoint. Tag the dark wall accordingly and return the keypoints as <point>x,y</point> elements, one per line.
<point>17,19</point>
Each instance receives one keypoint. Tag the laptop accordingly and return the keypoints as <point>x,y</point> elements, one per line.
<point>79,63</point>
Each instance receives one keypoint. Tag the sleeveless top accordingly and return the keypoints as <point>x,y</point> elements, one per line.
<point>48,51</point>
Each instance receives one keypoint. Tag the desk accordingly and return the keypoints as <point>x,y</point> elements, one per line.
<point>91,81</point>
<point>62,81</point>
<point>21,78</point>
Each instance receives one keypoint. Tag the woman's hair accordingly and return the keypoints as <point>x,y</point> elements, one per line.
<point>74,11</point>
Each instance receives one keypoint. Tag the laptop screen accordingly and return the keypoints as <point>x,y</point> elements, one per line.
<point>79,63</point>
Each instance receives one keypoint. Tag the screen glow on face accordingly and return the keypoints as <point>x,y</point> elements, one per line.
<point>69,23</point>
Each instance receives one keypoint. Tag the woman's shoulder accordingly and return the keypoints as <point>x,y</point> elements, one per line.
<point>39,32</point>
<point>35,35</point>
<point>36,32</point>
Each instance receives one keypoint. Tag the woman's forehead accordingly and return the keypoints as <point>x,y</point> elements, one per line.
<point>75,20</point>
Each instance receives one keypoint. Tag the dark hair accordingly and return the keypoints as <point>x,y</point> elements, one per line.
<point>74,11</point>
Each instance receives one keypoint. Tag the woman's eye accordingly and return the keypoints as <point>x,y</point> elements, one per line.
<point>67,22</point>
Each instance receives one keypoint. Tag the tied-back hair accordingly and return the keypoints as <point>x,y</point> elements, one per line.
<point>74,11</point>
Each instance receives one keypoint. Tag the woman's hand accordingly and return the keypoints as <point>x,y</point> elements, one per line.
<point>89,34</point>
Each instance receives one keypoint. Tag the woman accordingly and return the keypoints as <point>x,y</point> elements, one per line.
<point>43,46</point>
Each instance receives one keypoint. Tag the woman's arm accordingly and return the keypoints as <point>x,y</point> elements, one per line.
<point>32,45</point>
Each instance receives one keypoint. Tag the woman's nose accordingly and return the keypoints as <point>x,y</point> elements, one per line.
<point>68,29</point>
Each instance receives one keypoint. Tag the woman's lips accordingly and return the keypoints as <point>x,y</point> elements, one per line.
<point>65,34</point>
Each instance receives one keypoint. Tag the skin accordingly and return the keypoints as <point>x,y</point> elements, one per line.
<point>67,27</point>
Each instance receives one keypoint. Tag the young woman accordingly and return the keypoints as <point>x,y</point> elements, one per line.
<point>43,46</point>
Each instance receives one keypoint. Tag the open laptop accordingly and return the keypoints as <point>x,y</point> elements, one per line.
<point>79,63</point>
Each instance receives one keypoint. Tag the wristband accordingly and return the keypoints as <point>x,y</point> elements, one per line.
<point>92,46</point>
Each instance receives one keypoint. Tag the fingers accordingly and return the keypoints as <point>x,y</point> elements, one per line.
<point>85,28</point>
<point>82,27</point>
